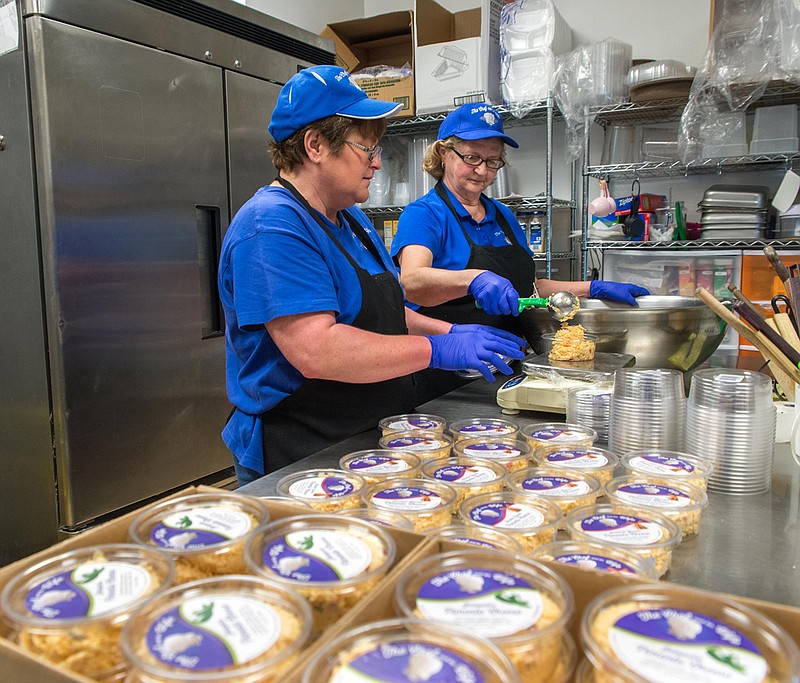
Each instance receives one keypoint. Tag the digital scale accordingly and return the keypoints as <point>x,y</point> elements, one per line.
<point>544,383</point>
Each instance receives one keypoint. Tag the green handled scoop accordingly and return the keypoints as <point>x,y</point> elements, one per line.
<point>561,305</point>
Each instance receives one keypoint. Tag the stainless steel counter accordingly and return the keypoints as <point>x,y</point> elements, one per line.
<point>747,545</point>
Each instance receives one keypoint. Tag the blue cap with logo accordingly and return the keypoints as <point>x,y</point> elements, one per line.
<point>474,122</point>
<point>318,92</point>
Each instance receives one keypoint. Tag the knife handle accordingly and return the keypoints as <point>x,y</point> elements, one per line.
<point>761,326</point>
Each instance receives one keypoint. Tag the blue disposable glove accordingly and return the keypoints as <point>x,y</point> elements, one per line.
<point>473,351</point>
<point>621,292</point>
<point>510,336</point>
<point>494,294</point>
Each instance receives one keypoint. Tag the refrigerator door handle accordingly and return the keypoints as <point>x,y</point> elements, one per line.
<point>209,244</point>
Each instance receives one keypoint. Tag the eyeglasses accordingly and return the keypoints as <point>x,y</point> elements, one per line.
<point>372,152</point>
<point>475,160</point>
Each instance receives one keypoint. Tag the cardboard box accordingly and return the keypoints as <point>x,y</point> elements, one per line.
<point>18,666</point>
<point>386,39</point>
<point>456,55</point>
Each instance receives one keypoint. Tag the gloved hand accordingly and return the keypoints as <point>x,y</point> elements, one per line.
<point>474,350</point>
<point>494,294</point>
<point>510,336</point>
<point>621,292</point>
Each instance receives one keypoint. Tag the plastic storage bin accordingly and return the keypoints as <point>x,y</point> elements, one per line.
<point>775,130</point>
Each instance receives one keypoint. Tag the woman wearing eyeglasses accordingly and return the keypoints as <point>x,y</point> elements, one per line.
<point>319,343</point>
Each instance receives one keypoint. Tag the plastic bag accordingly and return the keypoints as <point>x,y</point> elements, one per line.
<point>383,71</point>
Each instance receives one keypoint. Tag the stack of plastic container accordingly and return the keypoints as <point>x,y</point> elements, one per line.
<point>731,420</point>
<point>648,410</point>
<point>775,130</point>
<point>590,406</point>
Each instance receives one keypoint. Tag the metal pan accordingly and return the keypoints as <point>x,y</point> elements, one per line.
<point>741,196</point>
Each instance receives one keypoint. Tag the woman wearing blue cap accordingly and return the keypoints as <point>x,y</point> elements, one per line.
<point>319,344</point>
<point>456,247</point>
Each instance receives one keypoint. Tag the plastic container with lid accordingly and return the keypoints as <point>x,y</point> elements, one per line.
<point>204,533</point>
<point>530,520</point>
<point>558,436</point>
<point>520,605</point>
<point>468,476</point>
<point>376,465</point>
<point>514,454</point>
<point>426,503</point>
<point>231,629</point>
<point>598,462</point>
<point>325,490</point>
<point>478,537</point>
<point>669,465</point>
<point>569,489</point>
<point>70,609</point>
<point>566,350</point>
<point>681,502</point>
<point>644,531</point>
<point>331,560</point>
<point>382,517</point>
<point>284,500</point>
<point>598,557</point>
<point>409,650</point>
<point>690,635</point>
<point>411,422</point>
<point>421,443</point>
<point>483,427</point>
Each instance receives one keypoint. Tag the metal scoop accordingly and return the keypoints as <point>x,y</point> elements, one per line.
<point>561,305</point>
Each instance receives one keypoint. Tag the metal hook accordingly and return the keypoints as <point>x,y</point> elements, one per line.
<point>634,184</point>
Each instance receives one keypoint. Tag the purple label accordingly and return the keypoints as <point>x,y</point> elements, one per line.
<point>296,565</point>
<point>184,643</point>
<point>547,484</point>
<point>675,464</point>
<point>494,449</point>
<point>451,473</point>
<point>494,429</point>
<point>567,456</point>
<point>591,561</point>
<point>473,582</point>
<point>611,521</point>
<point>186,538</point>
<point>59,598</point>
<point>371,461</point>
<point>420,423</point>
<point>407,493</point>
<point>334,486</point>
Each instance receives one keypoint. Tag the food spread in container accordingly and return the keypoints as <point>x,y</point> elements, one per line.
<point>330,560</point>
<point>520,605</point>
<point>423,444</point>
<point>567,488</point>
<point>514,454</point>
<point>232,629</point>
<point>597,557</point>
<point>375,465</point>
<point>409,651</point>
<point>382,517</point>
<point>644,531</point>
<point>530,520</point>
<point>558,436</point>
<point>428,504</point>
<point>598,462</point>
<point>570,343</point>
<point>482,427</point>
<point>468,476</point>
<point>664,633</point>
<point>680,501</point>
<point>325,490</point>
<point>411,422</point>
<point>669,465</point>
<point>477,536</point>
<point>70,609</point>
<point>204,533</point>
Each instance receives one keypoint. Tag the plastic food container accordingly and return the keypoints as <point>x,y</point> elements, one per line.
<point>423,444</point>
<point>513,454</point>
<point>597,462</point>
<point>565,666</point>
<point>669,466</point>
<point>477,536</point>
<point>71,608</point>
<point>330,560</point>
<point>681,502</point>
<point>325,490</point>
<point>569,349</point>
<point>569,489</point>
<point>483,427</point>
<point>284,500</point>
<point>644,531</point>
<point>378,465</point>
<point>427,504</point>
<point>531,521</point>
<point>382,517</point>
<point>409,650</point>
<point>468,476</point>
<point>558,436</point>
<point>411,422</point>
<point>598,557</point>
<point>520,605</point>
<point>204,533</point>
<point>690,635</point>
<point>225,629</point>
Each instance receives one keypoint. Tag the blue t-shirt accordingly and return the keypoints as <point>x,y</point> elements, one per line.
<point>277,261</point>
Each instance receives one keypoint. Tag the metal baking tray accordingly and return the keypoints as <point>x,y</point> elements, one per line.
<point>741,218</point>
<point>732,233</point>
<point>735,196</point>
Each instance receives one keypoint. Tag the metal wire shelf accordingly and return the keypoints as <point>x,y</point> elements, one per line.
<point>699,244</point>
<point>653,169</point>
<point>538,203</point>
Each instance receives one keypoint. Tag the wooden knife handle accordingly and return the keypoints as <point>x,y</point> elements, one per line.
<point>777,265</point>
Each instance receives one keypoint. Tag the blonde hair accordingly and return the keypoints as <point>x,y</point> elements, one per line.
<point>432,162</point>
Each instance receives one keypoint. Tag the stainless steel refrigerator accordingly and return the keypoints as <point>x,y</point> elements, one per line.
<point>130,133</point>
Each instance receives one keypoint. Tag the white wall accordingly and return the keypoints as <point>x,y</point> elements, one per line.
<point>312,15</point>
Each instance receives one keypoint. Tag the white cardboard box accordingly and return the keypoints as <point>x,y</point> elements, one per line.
<point>456,55</point>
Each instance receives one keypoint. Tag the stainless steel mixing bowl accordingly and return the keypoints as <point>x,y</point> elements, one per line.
<point>662,332</point>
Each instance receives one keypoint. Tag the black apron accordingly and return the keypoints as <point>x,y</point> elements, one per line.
<point>321,413</point>
<point>511,262</point>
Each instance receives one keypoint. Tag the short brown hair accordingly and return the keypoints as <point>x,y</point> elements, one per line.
<point>335,129</point>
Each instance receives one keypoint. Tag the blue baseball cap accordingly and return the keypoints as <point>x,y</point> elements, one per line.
<point>318,92</point>
<point>474,122</point>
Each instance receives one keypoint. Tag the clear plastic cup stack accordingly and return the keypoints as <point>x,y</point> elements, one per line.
<point>648,410</point>
<point>731,420</point>
<point>590,406</point>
